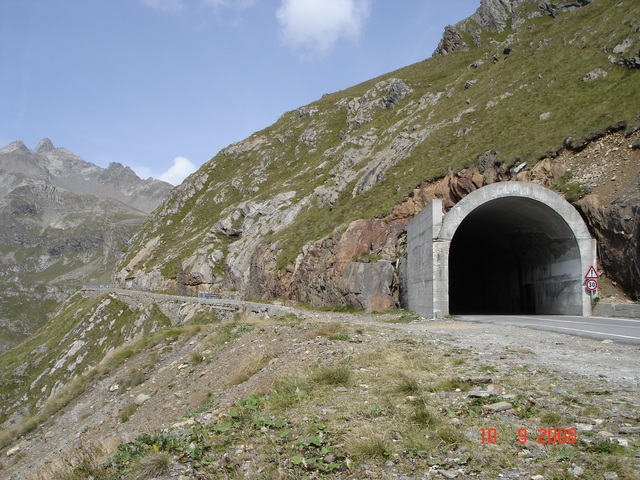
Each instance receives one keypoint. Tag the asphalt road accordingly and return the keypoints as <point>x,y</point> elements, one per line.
<point>620,330</point>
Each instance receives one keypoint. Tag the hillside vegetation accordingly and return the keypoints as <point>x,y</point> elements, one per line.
<point>521,94</point>
<point>314,394</point>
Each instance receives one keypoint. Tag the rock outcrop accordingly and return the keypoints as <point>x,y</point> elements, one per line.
<point>313,208</point>
<point>616,227</point>
<point>496,16</point>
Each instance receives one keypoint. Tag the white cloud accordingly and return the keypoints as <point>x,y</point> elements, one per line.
<point>314,26</point>
<point>182,167</point>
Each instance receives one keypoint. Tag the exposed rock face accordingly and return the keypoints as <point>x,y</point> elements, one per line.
<point>353,268</point>
<point>357,267</point>
<point>495,16</point>
<point>276,215</point>
<point>617,229</point>
<point>64,222</point>
<point>451,42</point>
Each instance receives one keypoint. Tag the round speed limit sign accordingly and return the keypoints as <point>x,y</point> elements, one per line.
<point>592,284</point>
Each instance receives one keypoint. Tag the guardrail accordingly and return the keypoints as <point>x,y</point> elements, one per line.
<point>219,303</point>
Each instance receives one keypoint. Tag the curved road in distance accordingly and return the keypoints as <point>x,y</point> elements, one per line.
<point>619,330</point>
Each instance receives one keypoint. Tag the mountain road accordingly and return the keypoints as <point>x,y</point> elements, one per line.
<point>621,330</point>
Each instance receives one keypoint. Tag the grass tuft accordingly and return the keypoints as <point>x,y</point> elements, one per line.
<point>152,465</point>
<point>334,375</point>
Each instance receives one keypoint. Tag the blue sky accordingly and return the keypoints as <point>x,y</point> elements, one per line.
<point>163,85</point>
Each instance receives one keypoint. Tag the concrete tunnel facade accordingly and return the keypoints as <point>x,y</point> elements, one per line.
<point>507,248</point>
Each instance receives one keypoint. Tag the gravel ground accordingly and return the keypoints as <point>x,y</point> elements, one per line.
<point>558,364</point>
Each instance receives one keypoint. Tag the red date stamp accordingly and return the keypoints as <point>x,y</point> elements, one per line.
<point>544,435</point>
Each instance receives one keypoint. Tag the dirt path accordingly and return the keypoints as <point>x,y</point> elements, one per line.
<point>602,360</point>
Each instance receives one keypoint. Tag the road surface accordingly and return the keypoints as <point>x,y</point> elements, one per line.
<point>620,330</point>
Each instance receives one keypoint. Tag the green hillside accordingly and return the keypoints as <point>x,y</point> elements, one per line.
<point>356,153</point>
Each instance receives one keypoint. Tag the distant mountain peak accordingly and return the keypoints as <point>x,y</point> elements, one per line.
<point>14,146</point>
<point>44,145</point>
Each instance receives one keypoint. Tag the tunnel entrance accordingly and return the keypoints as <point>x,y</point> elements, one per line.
<point>506,248</point>
<point>512,255</point>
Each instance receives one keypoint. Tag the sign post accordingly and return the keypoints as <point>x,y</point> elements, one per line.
<point>592,279</point>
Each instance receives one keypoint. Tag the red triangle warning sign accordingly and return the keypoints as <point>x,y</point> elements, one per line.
<point>592,273</point>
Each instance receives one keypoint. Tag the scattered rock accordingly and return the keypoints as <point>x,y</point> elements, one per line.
<point>576,471</point>
<point>584,427</point>
<point>141,398</point>
<point>480,394</point>
<point>12,451</point>
<point>623,442</point>
<point>497,407</point>
<point>479,380</point>
<point>621,48</point>
<point>595,74</point>
<point>629,430</point>
<point>517,349</point>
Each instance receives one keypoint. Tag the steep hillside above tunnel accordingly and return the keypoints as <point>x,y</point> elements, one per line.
<point>274,215</point>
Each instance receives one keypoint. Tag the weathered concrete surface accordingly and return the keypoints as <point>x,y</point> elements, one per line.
<point>534,251</point>
<point>621,310</point>
<point>423,262</point>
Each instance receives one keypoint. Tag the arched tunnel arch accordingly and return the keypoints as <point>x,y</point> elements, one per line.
<point>512,255</point>
<point>506,248</point>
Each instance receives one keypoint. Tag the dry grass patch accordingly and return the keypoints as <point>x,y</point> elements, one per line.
<point>249,367</point>
<point>334,331</point>
<point>153,465</point>
<point>371,443</point>
<point>333,375</point>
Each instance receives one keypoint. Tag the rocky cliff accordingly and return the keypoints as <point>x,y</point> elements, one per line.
<point>64,222</point>
<point>314,207</point>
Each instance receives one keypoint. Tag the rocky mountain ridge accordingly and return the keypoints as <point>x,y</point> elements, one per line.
<point>66,170</point>
<point>497,16</point>
<point>64,222</point>
<point>313,208</point>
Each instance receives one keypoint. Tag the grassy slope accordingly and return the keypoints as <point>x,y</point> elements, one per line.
<point>366,402</point>
<point>542,74</point>
<point>56,363</point>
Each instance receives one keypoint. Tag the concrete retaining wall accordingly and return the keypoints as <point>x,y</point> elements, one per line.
<point>622,310</point>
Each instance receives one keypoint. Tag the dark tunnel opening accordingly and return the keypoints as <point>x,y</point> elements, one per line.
<point>512,255</point>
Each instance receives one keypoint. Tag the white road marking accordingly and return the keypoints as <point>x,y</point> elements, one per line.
<point>547,319</point>
<point>597,333</point>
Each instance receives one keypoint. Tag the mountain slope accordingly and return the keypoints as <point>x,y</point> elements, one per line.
<point>308,394</point>
<point>64,222</point>
<point>253,217</point>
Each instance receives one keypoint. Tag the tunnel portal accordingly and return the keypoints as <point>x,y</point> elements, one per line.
<point>509,256</point>
<point>507,248</point>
